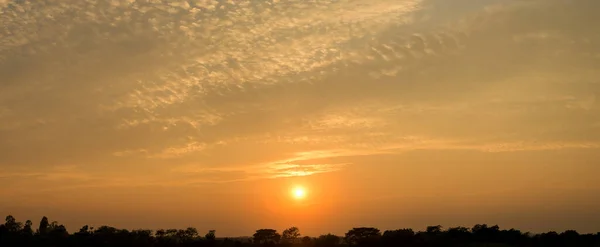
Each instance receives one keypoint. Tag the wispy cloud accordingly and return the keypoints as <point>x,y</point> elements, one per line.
<point>294,170</point>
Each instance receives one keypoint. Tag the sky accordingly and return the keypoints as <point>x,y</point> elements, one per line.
<point>389,113</point>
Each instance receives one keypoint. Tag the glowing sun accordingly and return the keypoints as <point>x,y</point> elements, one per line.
<point>299,193</point>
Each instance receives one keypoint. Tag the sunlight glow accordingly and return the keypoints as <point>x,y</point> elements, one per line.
<point>299,193</point>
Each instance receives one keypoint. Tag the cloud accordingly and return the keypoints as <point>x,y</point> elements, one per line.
<point>292,170</point>
<point>263,87</point>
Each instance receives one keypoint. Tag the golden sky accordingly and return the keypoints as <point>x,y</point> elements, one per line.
<point>390,113</point>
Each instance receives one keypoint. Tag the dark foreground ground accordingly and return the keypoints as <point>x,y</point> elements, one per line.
<point>14,233</point>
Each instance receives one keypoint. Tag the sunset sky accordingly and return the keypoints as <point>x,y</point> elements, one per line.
<point>389,113</point>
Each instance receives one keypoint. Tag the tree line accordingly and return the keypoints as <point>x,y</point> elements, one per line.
<point>53,234</point>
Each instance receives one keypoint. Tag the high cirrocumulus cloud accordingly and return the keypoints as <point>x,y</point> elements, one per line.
<point>118,87</point>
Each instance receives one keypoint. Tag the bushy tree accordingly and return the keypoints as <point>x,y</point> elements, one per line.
<point>398,237</point>
<point>211,235</point>
<point>27,229</point>
<point>327,240</point>
<point>290,235</point>
<point>12,225</point>
<point>362,236</point>
<point>266,236</point>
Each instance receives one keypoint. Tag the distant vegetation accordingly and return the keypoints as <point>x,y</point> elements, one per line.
<point>14,233</point>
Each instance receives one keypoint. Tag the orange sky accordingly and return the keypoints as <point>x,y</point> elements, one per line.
<point>390,113</point>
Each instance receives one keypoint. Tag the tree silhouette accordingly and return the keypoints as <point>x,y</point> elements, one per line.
<point>362,236</point>
<point>211,235</point>
<point>290,235</point>
<point>44,224</point>
<point>27,230</point>
<point>15,234</point>
<point>327,240</point>
<point>398,237</point>
<point>434,229</point>
<point>12,225</point>
<point>307,241</point>
<point>266,236</point>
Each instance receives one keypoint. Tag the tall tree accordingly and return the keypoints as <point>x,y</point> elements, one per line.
<point>44,225</point>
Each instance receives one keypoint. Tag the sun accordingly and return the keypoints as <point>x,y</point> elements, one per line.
<point>299,193</point>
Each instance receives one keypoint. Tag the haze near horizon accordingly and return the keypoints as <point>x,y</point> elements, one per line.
<point>325,115</point>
